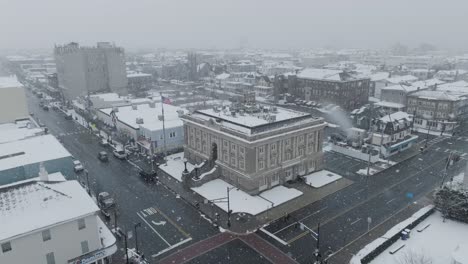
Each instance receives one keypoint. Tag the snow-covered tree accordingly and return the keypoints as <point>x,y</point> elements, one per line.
<point>452,203</point>
<point>414,257</point>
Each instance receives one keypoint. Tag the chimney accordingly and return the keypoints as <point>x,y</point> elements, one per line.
<point>152,104</point>
<point>43,174</point>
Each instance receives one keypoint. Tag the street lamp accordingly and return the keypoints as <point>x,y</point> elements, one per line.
<point>196,171</point>
<point>136,236</point>
<point>185,165</point>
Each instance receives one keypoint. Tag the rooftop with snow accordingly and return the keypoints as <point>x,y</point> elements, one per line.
<point>148,114</point>
<point>9,82</point>
<point>250,120</point>
<point>30,150</point>
<point>29,206</point>
<point>326,74</point>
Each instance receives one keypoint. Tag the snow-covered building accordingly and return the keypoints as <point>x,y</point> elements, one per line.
<point>452,75</point>
<point>254,147</point>
<point>339,87</point>
<point>23,148</point>
<point>13,105</point>
<point>52,221</point>
<point>440,109</point>
<point>392,133</point>
<point>143,125</point>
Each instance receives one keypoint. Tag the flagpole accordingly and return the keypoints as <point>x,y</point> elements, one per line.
<point>164,126</point>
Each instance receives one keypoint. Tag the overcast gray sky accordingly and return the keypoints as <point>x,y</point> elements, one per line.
<point>225,23</point>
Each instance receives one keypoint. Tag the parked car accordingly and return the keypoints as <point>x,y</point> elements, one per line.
<point>104,143</point>
<point>120,154</point>
<point>102,156</point>
<point>77,166</point>
<point>68,116</point>
<point>41,124</point>
<point>105,201</point>
<point>45,107</point>
<point>148,176</point>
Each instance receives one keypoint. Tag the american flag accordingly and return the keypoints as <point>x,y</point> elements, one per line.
<point>166,100</point>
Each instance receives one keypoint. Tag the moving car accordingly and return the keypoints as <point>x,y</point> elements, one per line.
<point>120,153</point>
<point>102,156</point>
<point>68,116</point>
<point>77,166</point>
<point>105,201</point>
<point>45,107</point>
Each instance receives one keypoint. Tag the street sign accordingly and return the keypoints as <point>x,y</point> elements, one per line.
<point>409,195</point>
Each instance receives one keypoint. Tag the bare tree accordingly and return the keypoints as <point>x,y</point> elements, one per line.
<point>413,257</point>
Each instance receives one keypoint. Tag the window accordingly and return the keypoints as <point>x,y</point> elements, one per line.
<point>46,235</point>
<point>50,258</point>
<point>172,134</point>
<point>6,247</point>
<point>261,165</point>
<point>84,247</point>
<point>81,224</point>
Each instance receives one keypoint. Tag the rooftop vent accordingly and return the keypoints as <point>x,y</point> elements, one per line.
<point>134,107</point>
<point>139,120</point>
<point>160,117</point>
<point>180,113</point>
<point>152,105</point>
<point>115,109</point>
<point>233,113</point>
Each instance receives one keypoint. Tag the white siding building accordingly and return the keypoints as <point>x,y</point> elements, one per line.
<point>48,222</point>
<point>12,100</point>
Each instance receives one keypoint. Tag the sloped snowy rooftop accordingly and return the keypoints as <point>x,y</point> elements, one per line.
<point>31,206</point>
<point>31,150</point>
<point>396,116</point>
<point>403,78</point>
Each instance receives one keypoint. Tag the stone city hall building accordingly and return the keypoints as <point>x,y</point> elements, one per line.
<point>254,147</point>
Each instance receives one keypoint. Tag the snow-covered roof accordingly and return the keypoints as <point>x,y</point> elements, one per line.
<point>427,83</point>
<point>396,117</point>
<point>127,115</point>
<point>9,82</point>
<point>320,74</point>
<point>108,97</point>
<point>389,104</point>
<point>222,76</point>
<point>12,132</point>
<point>30,150</point>
<point>454,87</point>
<point>138,74</point>
<point>27,207</point>
<point>252,119</point>
<point>403,78</point>
<point>400,87</point>
<point>379,76</point>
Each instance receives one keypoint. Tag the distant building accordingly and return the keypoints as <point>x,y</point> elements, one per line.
<point>452,75</point>
<point>255,148</point>
<point>13,105</point>
<point>83,70</point>
<point>440,109</point>
<point>392,133</point>
<point>330,86</point>
<point>49,220</point>
<point>242,66</point>
<point>139,83</point>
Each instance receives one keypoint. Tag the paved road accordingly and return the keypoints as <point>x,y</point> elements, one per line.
<point>344,215</point>
<point>166,220</point>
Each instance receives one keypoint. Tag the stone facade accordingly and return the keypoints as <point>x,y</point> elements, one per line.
<point>256,161</point>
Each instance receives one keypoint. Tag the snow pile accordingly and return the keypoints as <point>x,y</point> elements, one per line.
<point>321,178</point>
<point>242,202</point>
<point>390,233</point>
<point>175,166</point>
<point>372,171</point>
<point>438,242</point>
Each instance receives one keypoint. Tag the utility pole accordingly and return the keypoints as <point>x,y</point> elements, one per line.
<point>136,237</point>
<point>371,128</point>
<point>126,248</point>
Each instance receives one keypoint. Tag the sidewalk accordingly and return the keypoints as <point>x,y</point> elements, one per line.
<point>345,254</point>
